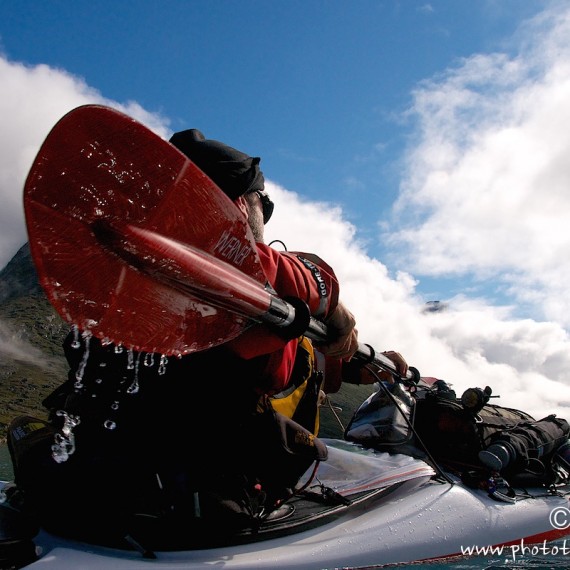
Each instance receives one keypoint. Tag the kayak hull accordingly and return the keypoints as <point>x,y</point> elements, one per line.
<point>416,520</point>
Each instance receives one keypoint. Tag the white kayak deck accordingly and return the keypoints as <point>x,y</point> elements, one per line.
<point>416,518</point>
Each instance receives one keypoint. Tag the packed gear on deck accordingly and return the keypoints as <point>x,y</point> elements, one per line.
<point>467,435</point>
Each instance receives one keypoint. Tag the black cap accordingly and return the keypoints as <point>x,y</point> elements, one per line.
<point>233,171</point>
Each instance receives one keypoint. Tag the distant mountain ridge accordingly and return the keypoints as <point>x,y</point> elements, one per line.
<point>19,277</point>
<point>31,334</point>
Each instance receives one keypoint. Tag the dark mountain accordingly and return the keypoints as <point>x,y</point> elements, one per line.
<point>19,277</point>
<point>31,333</point>
<point>31,358</point>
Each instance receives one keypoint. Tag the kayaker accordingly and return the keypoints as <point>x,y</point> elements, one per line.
<point>132,435</point>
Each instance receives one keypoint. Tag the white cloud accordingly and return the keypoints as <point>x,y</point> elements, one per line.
<point>471,344</point>
<point>13,346</point>
<point>33,99</point>
<point>486,189</point>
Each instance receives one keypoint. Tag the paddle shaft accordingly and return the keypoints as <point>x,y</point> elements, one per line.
<point>188,269</point>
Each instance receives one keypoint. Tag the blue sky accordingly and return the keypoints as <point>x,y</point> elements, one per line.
<point>319,89</point>
<point>420,147</point>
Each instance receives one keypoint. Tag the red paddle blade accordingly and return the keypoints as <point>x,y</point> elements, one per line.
<point>96,167</point>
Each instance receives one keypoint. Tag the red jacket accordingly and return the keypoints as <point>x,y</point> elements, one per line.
<point>291,274</point>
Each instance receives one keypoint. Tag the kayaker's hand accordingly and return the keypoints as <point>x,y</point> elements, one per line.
<point>398,360</point>
<point>367,377</point>
<point>344,336</point>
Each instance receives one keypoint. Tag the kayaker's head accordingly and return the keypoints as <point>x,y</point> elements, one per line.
<point>234,172</point>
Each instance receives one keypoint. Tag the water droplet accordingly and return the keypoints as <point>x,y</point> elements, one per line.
<point>59,454</point>
<point>81,369</point>
<point>130,359</point>
<point>64,442</point>
<point>162,364</point>
<point>109,424</point>
<point>75,342</point>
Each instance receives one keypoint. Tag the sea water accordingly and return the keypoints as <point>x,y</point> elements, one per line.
<point>551,556</point>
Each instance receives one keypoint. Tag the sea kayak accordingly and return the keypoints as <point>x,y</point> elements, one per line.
<point>396,509</point>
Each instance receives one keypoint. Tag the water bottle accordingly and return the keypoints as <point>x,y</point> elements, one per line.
<point>497,456</point>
